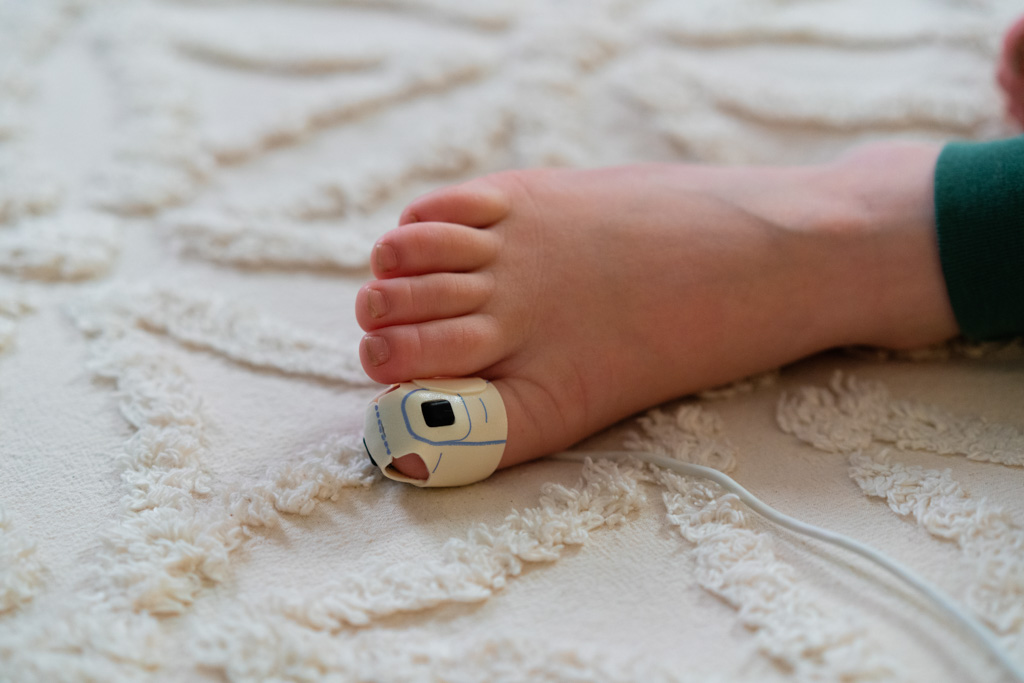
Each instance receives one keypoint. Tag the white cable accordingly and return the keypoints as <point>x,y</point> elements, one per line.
<point>943,603</point>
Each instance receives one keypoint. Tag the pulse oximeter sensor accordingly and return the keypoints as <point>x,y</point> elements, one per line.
<point>457,427</point>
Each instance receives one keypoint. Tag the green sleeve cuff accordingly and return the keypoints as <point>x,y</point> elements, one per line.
<point>979,214</point>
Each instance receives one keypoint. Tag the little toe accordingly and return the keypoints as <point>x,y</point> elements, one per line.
<point>455,347</point>
<point>478,203</point>
<point>431,248</point>
<point>435,296</point>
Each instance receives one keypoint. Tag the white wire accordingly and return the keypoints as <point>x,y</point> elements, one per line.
<point>943,603</point>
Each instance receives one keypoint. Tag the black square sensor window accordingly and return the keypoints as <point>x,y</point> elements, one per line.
<point>438,413</point>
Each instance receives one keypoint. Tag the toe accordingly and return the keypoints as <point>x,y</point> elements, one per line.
<point>411,466</point>
<point>435,296</point>
<point>431,248</point>
<point>526,439</point>
<point>456,347</point>
<point>478,204</point>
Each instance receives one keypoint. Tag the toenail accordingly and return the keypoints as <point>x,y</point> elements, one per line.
<point>385,257</point>
<point>376,349</point>
<point>376,302</point>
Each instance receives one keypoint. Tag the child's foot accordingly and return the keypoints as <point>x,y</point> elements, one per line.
<point>586,296</point>
<point>1011,71</point>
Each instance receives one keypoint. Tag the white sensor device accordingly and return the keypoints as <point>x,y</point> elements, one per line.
<point>457,427</point>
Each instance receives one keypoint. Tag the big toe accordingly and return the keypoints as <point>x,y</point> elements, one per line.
<point>527,437</point>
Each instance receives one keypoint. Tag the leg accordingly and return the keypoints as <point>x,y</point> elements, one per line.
<point>586,296</point>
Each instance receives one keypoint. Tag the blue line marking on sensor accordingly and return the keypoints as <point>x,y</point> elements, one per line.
<point>380,426</point>
<point>463,441</point>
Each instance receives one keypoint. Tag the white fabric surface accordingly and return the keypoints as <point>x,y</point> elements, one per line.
<point>188,192</point>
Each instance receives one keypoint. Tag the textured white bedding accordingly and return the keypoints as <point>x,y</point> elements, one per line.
<point>188,193</point>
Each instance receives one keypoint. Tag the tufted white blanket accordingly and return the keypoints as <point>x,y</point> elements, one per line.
<point>188,193</point>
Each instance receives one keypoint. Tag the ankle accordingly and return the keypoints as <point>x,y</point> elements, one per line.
<point>885,250</point>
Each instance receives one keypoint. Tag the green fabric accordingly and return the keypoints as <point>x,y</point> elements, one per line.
<point>979,214</point>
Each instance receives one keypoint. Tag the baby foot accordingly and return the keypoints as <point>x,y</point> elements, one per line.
<point>1011,71</point>
<point>586,296</point>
